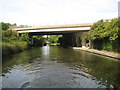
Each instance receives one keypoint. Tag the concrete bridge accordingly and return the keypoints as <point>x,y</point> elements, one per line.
<point>71,33</point>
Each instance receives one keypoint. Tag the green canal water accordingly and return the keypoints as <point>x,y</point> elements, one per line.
<point>55,67</point>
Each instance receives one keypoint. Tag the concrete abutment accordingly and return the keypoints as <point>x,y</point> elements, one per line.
<point>74,40</point>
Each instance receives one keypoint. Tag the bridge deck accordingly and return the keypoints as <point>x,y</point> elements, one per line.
<point>57,30</point>
<point>54,27</point>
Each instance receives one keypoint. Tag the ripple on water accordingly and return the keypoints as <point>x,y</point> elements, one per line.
<point>25,85</point>
<point>59,68</point>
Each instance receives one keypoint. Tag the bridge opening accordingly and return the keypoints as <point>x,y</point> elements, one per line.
<point>43,40</point>
<point>54,39</point>
<point>60,39</point>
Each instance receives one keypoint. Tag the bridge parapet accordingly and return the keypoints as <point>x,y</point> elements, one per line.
<point>54,27</point>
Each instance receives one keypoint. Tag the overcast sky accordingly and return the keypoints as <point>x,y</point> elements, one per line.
<point>52,12</point>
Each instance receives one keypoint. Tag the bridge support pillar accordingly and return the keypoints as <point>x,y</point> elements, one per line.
<point>74,39</point>
<point>90,43</point>
<point>18,35</point>
<point>83,43</point>
<point>31,39</point>
<point>78,43</point>
<point>77,40</point>
<point>67,39</point>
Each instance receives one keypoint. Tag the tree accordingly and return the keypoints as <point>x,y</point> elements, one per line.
<point>24,37</point>
<point>105,35</point>
<point>105,29</point>
<point>5,26</point>
<point>54,38</point>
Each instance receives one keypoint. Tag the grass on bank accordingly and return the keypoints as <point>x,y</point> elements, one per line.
<point>13,47</point>
<point>11,43</point>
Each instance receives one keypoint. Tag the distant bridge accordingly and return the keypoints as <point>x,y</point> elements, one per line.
<point>71,33</point>
<point>58,29</point>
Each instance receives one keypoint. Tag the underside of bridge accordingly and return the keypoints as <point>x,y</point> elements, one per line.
<point>68,38</point>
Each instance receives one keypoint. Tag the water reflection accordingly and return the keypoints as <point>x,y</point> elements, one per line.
<point>53,67</point>
<point>45,51</point>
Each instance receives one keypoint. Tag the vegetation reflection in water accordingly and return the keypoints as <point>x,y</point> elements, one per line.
<point>102,70</point>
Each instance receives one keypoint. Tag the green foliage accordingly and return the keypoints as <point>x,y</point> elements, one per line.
<point>5,26</point>
<point>85,36</point>
<point>107,46</point>
<point>105,35</point>
<point>12,44</point>
<point>13,47</point>
<point>9,35</point>
<point>103,29</point>
<point>54,38</point>
<point>103,44</point>
<point>24,37</point>
<point>38,40</point>
<point>113,29</point>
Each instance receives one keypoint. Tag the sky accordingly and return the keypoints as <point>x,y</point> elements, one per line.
<point>56,12</point>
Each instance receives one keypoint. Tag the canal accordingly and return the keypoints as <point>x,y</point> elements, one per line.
<point>56,67</point>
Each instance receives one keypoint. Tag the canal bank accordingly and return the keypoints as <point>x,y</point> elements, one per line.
<point>100,52</point>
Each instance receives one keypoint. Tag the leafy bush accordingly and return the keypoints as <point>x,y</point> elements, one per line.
<point>103,29</point>
<point>25,37</point>
<point>54,38</point>
<point>5,26</point>
<point>9,35</point>
<point>12,44</point>
<point>105,35</point>
<point>13,47</point>
<point>38,40</point>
